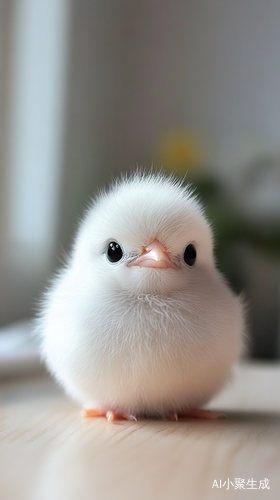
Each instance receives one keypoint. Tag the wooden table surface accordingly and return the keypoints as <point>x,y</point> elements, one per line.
<point>48,452</point>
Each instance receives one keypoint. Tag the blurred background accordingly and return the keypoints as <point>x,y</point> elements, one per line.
<point>89,89</point>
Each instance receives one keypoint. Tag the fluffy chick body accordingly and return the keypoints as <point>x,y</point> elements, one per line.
<point>134,339</point>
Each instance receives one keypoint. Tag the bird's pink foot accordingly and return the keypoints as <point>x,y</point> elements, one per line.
<point>111,415</point>
<point>196,413</point>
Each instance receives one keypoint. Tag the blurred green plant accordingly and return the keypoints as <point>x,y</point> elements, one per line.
<point>184,152</point>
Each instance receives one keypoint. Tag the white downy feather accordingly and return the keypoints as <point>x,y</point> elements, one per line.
<point>134,339</point>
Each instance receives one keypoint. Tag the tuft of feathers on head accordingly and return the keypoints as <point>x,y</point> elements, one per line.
<point>147,179</point>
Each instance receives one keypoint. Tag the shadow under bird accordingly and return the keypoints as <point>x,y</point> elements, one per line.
<point>140,321</point>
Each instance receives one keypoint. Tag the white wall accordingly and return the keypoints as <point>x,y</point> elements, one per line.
<point>145,66</point>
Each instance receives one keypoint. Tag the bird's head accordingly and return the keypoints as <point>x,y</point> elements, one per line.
<point>147,235</point>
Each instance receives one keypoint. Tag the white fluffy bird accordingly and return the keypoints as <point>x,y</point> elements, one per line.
<point>140,321</point>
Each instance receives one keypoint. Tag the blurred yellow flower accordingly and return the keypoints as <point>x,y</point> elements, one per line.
<point>180,150</point>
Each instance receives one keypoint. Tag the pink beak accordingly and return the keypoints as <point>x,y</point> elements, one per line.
<point>154,255</point>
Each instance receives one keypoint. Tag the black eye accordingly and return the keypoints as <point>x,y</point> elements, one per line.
<point>114,252</point>
<point>190,255</point>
